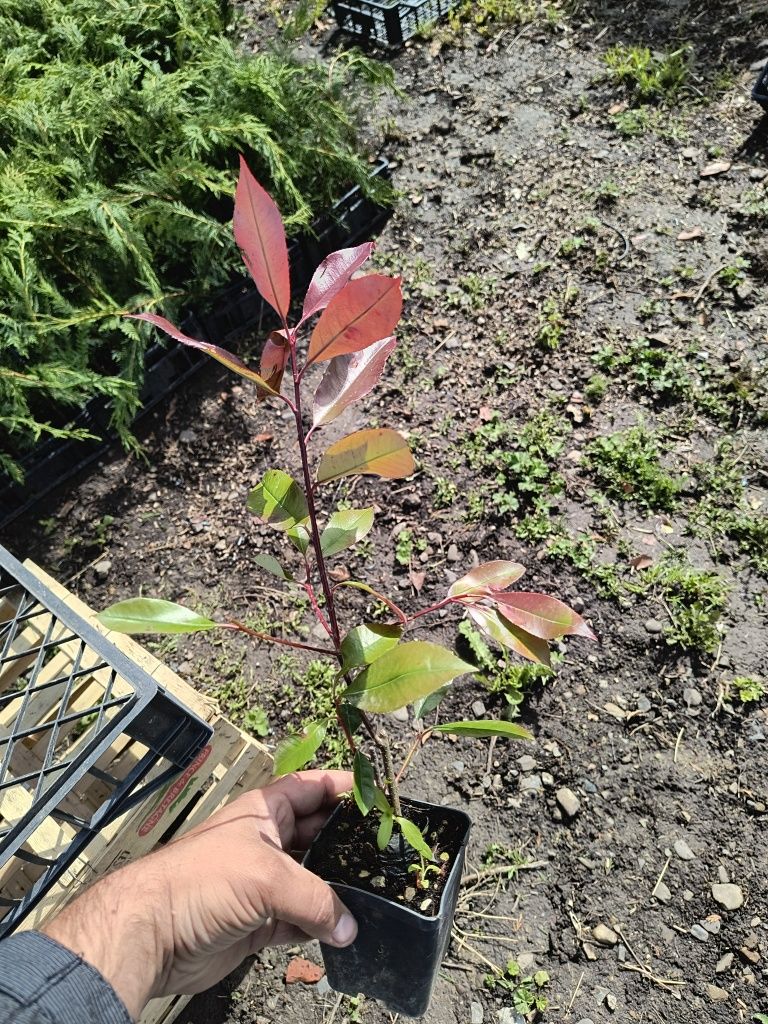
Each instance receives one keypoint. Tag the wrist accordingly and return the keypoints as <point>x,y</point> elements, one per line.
<point>121,926</point>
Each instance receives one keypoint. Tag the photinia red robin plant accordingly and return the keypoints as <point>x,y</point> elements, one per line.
<point>346,329</point>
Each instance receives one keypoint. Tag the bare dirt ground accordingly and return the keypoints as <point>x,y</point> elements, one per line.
<point>582,374</point>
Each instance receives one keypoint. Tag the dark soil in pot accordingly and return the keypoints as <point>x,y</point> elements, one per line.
<point>404,926</point>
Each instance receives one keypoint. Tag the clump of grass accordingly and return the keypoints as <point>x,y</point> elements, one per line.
<point>626,465</point>
<point>509,680</point>
<point>649,76</point>
<point>694,600</point>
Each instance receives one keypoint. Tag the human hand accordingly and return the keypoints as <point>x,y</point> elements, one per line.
<point>182,918</point>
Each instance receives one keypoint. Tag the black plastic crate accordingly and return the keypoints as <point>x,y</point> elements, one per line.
<point>388,23</point>
<point>85,734</point>
<point>760,91</point>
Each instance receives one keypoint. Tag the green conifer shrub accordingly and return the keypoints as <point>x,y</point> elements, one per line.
<point>120,124</point>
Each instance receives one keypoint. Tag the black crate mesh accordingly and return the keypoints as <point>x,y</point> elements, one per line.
<point>388,23</point>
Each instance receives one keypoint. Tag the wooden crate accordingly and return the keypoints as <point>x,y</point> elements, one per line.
<point>230,764</point>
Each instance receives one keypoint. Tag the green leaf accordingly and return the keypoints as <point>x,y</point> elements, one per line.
<point>151,615</point>
<point>485,728</point>
<point>299,537</point>
<point>272,566</point>
<point>367,643</point>
<point>278,500</point>
<point>385,831</point>
<point>380,452</point>
<point>761,1018</point>
<point>408,672</point>
<point>426,704</point>
<point>294,752</point>
<point>364,788</point>
<point>351,717</point>
<point>381,801</point>
<point>344,529</point>
<point>414,838</point>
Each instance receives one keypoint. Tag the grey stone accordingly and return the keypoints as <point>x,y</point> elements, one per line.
<point>567,801</point>
<point>604,935</point>
<point>457,767</point>
<point>478,709</point>
<point>691,696</point>
<point>722,875</point>
<point>476,1013</point>
<point>506,1015</point>
<point>547,779</point>
<point>699,933</point>
<point>588,787</point>
<point>187,437</point>
<point>531,784</point>
<point>527,763</point>
<point>653,626</point>
<point>643,704</point>
<point>683,850</point>
<point>323,988</point>
<point>610,1001</point>
<point>453,554</point>
<point>662,893</point>
<point>724,963</point>
<point>715,993</point>
<point>102,568</point>
<point>526,962</point>
<point>712,926</point>
<point>727,895</point>
<point>400,714</point>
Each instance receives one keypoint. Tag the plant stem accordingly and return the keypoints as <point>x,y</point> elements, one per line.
<point>276,639</point>
<point>328,593</point>
<point>419,742</point>
<point>391,781</point>
<point>432,608</point>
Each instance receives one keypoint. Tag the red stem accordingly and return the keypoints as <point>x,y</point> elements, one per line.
<point>242,628</point>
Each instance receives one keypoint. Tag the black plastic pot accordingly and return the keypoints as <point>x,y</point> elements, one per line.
<point>398,951</point>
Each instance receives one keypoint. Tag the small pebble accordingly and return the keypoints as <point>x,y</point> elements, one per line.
<point>400,714</point>
<point>750,955</point>
<point>683,850</point>
<point>453,553</point>
<point>527,763</point>
<point>722,874</point>
<point>653,626</point>
<point>323,988</point>
<point>712,924</point>
<point>102,568</point>
<point>476,1013</point>
<point>662,893</point>
<point>716,994</point>
<point>724,963</point>
<point>589,951</point>
<point>531,784</point>
<point>699,933</point>
<point>478,709</point>
<point>692,697</point>
<point>727,895</point>
<point>604,935</point>
<point>378,882</point>
<point>567,801</point>
<point>547,779</point>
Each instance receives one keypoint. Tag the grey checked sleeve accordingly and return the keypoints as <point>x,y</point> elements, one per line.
<point>41,982</point>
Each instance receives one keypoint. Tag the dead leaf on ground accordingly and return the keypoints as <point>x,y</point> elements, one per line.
<point>715,168</point>
<point>615,711</point>
<point>641,562</point>
<point>417,579</point>
<point>618,108</point>
<point>303,971</point>
<point>688,234</point>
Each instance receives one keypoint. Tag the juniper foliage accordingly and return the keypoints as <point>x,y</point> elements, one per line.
<point>119,132</point>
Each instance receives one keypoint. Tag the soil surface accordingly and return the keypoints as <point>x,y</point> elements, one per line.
<point>576,263</point>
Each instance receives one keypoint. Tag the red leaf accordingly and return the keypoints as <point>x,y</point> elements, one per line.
<point>260,235</point>
<point>331,276</point>
<point>506,633</point>
<point>348,379</point>
<point>302,970</point>
<point>273,359</point>
<point>227,358</point>
<point>496,575</point>
<point>364,311</point>
<point>540,615</point>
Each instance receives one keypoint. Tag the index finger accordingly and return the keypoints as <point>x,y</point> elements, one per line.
<point>310,791</point>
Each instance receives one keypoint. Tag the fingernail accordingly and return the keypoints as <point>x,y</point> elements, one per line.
<point>345,931</point>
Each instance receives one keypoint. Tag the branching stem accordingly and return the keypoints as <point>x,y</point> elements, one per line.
<point>242,628</point>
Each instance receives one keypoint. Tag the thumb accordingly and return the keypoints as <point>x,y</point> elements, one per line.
<point>300,898</point>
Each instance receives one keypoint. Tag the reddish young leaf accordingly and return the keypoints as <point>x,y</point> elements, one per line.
<point>543,616</point>
<point>331,276</point>
<point>496,575</point>
<point>380,452</point>
<point>509,635</point>
<point>348,379</point>
<point>260,235</point>
<point>227,358</point>
<point>364,311</point>
<point>273,359</point>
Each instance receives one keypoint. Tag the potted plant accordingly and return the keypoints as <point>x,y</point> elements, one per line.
<point>395,862</point>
